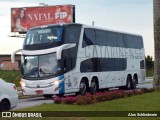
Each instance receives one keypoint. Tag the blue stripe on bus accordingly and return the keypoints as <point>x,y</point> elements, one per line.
<point>60,77</point>
<point>61,86</point>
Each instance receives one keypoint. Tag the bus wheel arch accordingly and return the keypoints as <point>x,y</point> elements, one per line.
<point>129,82</point>
<point>136,78</point>
<point>83,86</point>
<point>94,86</point>
<point>134,81</point>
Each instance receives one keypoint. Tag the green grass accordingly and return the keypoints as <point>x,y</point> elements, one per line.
<point>149,73</point>
<point>12,76</point>
<point>147,82</point>
<point>145,102</point>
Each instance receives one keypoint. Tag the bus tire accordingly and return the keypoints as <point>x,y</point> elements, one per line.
<point>93,88</point>
<point>128,83</point>
<point>82,87</point>
<point>133,85</point>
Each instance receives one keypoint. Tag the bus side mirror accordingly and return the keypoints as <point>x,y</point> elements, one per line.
<point>13,55</point>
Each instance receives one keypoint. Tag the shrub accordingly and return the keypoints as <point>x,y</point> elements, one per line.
<point>145,90</point>
<point>99,96</point>
<point>68,100</point>
<point>57,100</point>
<point>12,76</point>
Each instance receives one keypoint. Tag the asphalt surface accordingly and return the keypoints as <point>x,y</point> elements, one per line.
<point>30,102</point>
<point>148,83</point>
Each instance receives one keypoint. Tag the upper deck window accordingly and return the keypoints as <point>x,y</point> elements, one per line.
<point>45,35</point>
<point>43,38</point>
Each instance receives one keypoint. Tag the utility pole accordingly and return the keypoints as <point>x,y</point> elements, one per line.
<point>92,23</point>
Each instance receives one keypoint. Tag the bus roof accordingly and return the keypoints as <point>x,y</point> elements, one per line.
<point>85,26</point>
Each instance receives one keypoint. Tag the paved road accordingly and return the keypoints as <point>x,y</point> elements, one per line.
<point>148,83</point>
<point>29,102</point>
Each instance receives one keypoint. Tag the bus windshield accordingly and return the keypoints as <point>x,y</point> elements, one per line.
<point>39,66</point>
<point>43,35</point>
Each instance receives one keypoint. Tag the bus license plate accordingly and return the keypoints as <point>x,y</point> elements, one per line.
<point>39,92</point>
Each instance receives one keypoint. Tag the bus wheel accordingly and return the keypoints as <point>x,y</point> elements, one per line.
<point>129,83</point>
<point>93,88</point>
<point>133,86</point>
<point>47,96</point>
<point>83,87</point>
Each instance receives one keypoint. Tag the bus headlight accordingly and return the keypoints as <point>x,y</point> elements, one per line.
<point>22,84</point>
<point>55,82</point>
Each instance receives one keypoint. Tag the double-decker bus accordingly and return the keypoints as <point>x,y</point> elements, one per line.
<point>76,58</point>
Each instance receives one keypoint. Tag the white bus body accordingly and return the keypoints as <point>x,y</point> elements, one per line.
<point>84,58</point>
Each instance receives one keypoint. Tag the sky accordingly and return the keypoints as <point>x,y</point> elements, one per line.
<point>133,16</point>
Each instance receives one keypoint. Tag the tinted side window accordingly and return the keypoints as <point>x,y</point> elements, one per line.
<point>86,66</point>
<point>120,64</point>
<point>120,40</point>
<point>66,61</point>
<point>89,37</point>
<point>140,42</point>
<point>73,56</point>
<point>111,38</point>
<point>72,34</point>
<point>142,64</point>
<point>103,64</point>
<point>90,65</point>
<point>95,62</point>
<point>134,39</point>
<point>107,64</point>
<point>101,37</point>
<point>130,41</point>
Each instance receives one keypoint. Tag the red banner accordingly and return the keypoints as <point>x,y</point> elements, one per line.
<point>22,19</point>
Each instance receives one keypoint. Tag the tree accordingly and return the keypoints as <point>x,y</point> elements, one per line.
<point>156,6</point>
<point>149,62</point>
